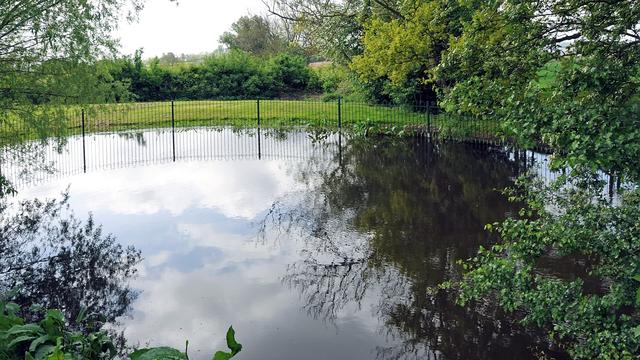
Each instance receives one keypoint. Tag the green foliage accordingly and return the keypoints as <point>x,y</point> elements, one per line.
<point>338,81</point>
<point>256,35</point>
<point>158,353</point>
<point>568,79</point>
<point>49,338</point>
<point>289,73</point>
<point>369,128</point>
<point>232,344</point>
<point>162,353</point>
<point>48,54</point>
<point>331,27</point>
<point>404,50</point>
<point>233,75</point>
<point>594,313</point>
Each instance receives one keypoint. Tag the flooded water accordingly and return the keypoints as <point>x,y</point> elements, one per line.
<point>313,246</point>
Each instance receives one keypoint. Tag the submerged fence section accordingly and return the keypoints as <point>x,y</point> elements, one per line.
<point>107,151</point>
<point>116,135</point>
<point>423,118</point>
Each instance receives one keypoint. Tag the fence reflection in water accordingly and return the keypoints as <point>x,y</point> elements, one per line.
<point>153,146</point>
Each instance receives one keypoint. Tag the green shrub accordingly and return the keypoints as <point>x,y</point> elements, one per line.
<point>288,73</point>
<point>569,221</point>
<point>51,339</point>
<point>232,75</point>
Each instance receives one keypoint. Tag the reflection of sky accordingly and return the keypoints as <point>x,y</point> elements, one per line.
<point>203,269</point>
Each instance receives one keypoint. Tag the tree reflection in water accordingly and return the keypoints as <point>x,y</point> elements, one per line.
<point>391,222</point>
<point>51,258</point>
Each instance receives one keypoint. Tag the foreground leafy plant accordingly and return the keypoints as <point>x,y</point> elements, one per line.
<point>51,339</point>
<point>164,352</point>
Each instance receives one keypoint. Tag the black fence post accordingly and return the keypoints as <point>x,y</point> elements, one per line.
<point>339,112</point>
<point>259,147</point>
<point>429,118</point>
<point>84,153</point>
<point>340,148</point>
<point>258,110</point>
<point>173,130</point>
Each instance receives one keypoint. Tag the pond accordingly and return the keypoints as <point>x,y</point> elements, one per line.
<point>312,245</point>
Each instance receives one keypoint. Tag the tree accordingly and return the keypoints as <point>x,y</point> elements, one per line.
<point>333,27</point>
<point>169,59</point>
<point>256,35</point>
<point>405,49</point>
<point>48,53</point>
<point>344,32</point>
<point>564,72</point>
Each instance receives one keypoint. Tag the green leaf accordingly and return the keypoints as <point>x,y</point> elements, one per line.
<point>57,353</point>
<point>221,355</point>
<point>12,308</point>
<point>7,322</point>
<point>137,354</point>
<point>37,342</point>
<point>23,329</point>
<point>20,339</point>
<point>159,353</point>
<point>232,344</point>
<point>81,315</point>
<point>55,314</point>
<point>43,352</point>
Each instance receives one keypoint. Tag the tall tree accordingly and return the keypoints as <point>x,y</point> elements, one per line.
<point>256,35</point>
<point>404,50</point>
<point>564,72</point>
<point>334,27</point>
<point>48,51</point>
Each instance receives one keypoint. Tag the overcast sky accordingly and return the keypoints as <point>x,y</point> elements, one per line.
<point>191,27</point>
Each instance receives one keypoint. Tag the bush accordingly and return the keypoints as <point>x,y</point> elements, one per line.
<point>288,73</point>
<point>232,75</point>
<point>51,339</point>
<point>337,81</point>
<point>593,315</point>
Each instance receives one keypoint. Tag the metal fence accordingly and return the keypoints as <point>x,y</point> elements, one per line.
<point>107,151</point>
<point>423,118</point>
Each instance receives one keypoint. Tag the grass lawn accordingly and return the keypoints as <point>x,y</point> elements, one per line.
<point>244,113</point>
<point>273,113</point>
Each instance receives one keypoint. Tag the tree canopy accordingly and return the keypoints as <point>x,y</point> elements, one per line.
<point>562,71</point>
<point>48,51</point>
<point>254,34</point>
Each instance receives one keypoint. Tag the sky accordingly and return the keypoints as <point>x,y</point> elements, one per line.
<point>190,27</point>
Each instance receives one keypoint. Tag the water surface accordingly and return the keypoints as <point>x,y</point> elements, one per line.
<point>312,245</point>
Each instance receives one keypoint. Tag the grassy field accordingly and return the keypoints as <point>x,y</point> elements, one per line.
<point>273,114</point>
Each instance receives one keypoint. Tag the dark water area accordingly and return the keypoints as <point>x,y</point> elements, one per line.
<point>312,245</point>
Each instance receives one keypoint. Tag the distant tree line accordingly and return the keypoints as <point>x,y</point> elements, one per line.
<point>233,75</point>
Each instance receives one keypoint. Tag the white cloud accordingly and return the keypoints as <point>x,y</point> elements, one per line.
<point>239,189</point>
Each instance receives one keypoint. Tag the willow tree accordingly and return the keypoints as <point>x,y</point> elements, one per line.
<point>48,55</point>
<point>333,27</point>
